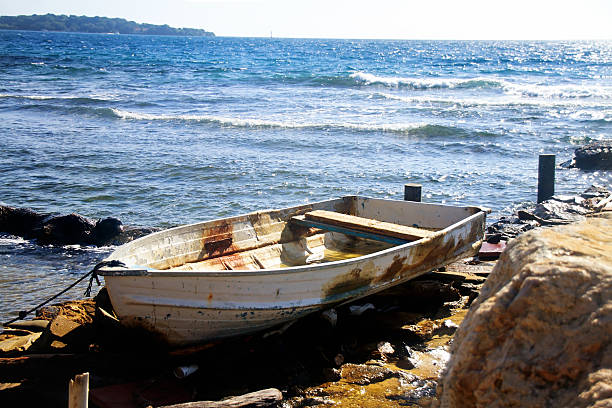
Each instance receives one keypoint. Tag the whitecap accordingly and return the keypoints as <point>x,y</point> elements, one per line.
<point>11,240</point>
<point>426,83</point>
<point>592,115</point>
<point>514,99</point>
<point>262,123</point>
<point>100,97</point>
<point>558,91</point>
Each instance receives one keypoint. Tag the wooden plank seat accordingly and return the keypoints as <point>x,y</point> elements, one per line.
<point>362,227</point>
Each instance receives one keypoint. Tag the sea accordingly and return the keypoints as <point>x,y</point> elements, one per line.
<point>160,131</point>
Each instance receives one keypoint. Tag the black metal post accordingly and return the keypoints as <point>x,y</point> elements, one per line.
<point>546,177</point>
<point>412,192</point>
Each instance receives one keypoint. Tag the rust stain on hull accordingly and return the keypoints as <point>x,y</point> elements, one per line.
<point>218,239</point>
<point>431,254</point>
<point>420,258</point>
<point>218,247</point>
<point>347,283</point>
<point>392,270</point>
<point>357,278</point>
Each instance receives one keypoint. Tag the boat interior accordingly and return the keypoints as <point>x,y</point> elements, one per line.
<point>315,233</point>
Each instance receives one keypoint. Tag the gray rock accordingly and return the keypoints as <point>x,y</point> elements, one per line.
<point>20,221</point>
<point>560,210</point>
<point>363,374</point>
<point>71,229</point>
<point>594,156</point>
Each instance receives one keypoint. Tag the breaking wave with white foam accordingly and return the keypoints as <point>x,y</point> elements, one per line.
<point>262,123</point>
<point>92,97</point>
<point>537,90</point>
<point>425,83</point>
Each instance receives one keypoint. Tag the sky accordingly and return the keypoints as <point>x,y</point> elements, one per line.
<point>372,19</point>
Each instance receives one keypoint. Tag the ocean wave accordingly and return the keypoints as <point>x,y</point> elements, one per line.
<point>235,122</point>
<point>364,78</point>
<point>73,98</point>
<point>558,91</point>
<point>515,100</point>
<point>588,115</point>
<point>464,102</point>
<point>417,129</point>
<point>31,97</point>
<point>507,87</point>
<point>73,110</point>
<point>7,239</point>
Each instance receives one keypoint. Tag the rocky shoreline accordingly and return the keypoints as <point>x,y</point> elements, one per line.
<point>387,350</point>
<point>593,156</point>
<point>559,210</point>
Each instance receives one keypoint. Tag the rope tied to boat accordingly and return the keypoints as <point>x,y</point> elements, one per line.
<point>93,274</point>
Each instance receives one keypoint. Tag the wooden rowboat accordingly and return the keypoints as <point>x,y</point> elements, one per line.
<point>238,275</point>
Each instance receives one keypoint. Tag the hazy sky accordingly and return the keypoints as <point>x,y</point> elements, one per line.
<point>400,19</point>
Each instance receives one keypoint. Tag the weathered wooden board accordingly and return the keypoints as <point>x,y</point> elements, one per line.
<point>300,220</point>
<point>368,225</point>
<point>265,398</point>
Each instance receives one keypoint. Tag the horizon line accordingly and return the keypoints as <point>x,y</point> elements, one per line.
<point>330,38</point>
<point>306,36</point>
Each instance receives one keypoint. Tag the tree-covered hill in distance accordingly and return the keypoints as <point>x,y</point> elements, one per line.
<point>83,24</point>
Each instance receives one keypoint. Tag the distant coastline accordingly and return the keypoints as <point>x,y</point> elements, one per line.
<point>100,25</point>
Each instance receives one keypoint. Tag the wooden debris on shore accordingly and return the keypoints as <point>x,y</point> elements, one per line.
<point>259,399</point>
<point>78,391</point>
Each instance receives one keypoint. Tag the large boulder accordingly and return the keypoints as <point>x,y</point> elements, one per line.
<point>55,229</point>
<point>64,230</point>
<point>75,229</point>
<point>539,334</point>
<point>596,155</point>
<point>20,221</point>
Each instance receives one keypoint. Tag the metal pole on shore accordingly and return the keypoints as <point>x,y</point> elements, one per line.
<point>546,177</point>
<point>412,192</point>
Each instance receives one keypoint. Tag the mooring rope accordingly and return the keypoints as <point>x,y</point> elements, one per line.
<point>93,275</point>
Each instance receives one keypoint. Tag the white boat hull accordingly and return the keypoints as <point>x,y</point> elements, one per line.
<point>184,307</point>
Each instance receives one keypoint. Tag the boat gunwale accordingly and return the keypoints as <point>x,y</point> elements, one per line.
<point>136,271</point>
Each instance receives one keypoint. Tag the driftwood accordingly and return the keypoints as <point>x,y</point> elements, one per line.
<point>78,391</point>
<point>264,398</point>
